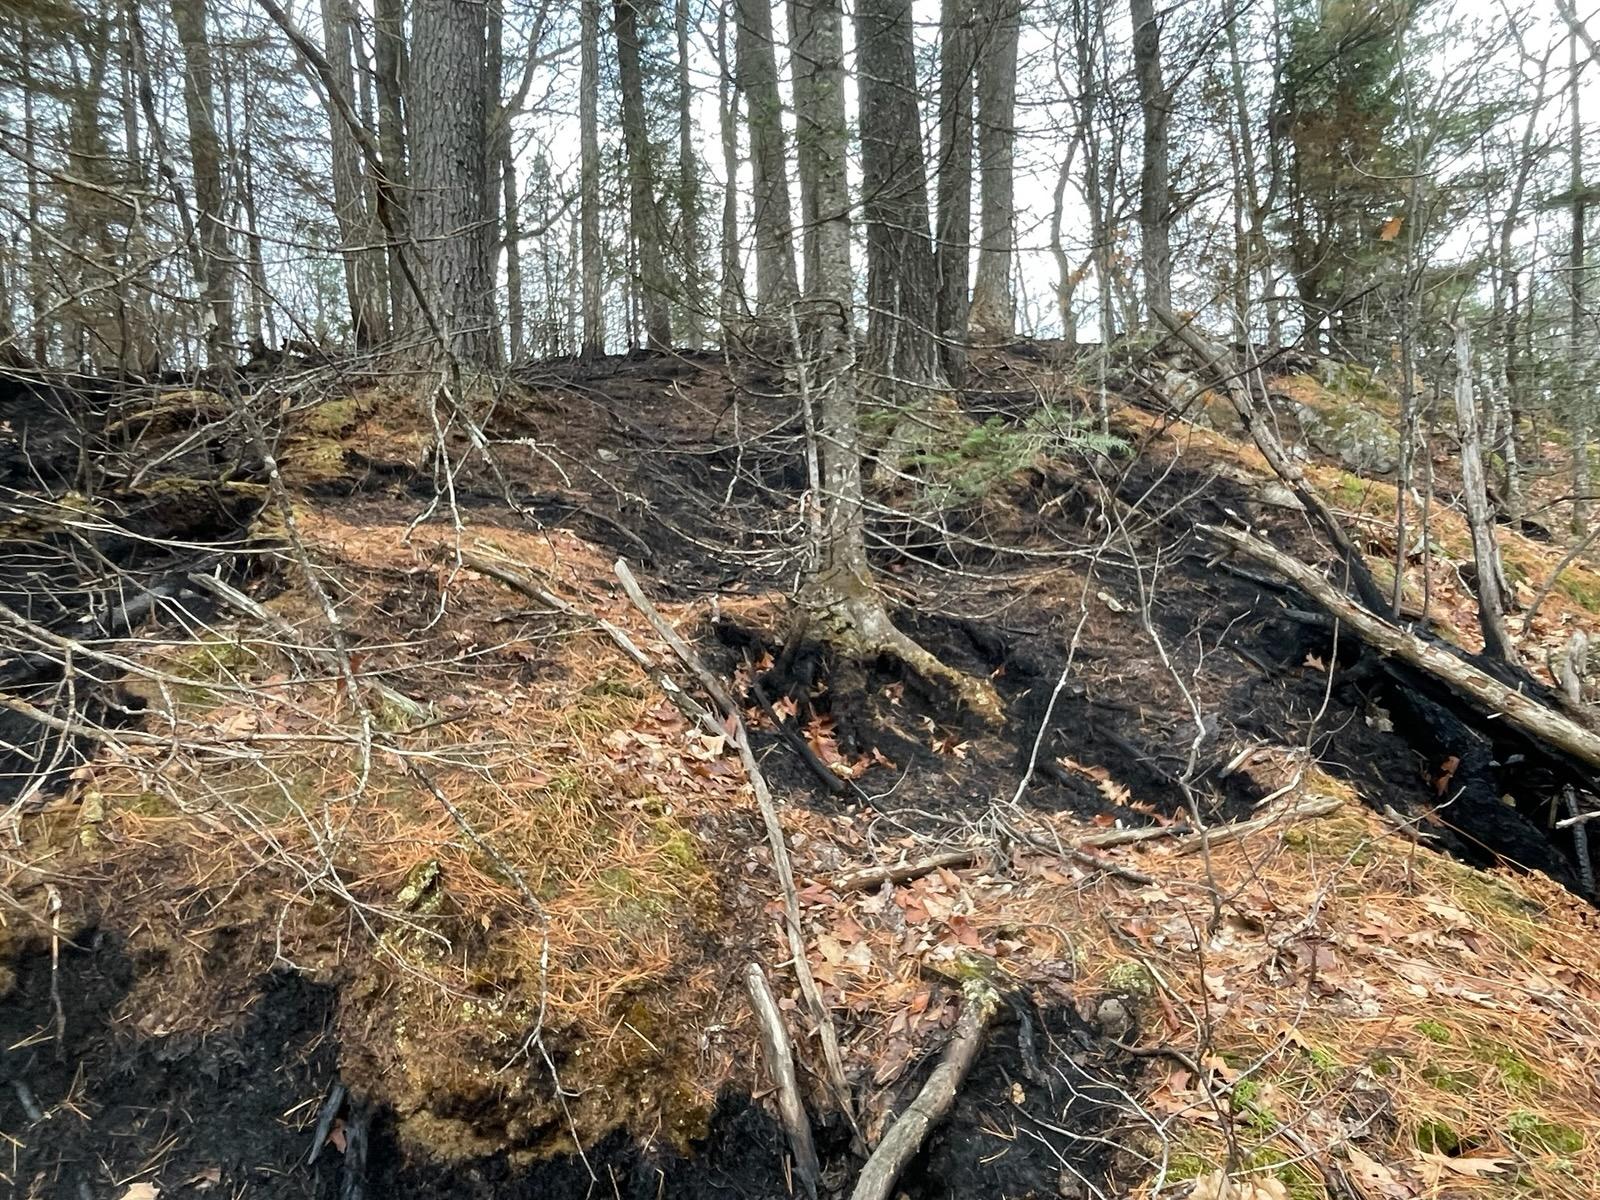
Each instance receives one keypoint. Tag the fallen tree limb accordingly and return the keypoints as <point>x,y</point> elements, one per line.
<point>905,1137</point>
<point>869,879</point>
<point>1216,835</point>
<point>1215,363</point>
<point>820,1013</point>
<point>1487,694</point>
<point>780,1065</point>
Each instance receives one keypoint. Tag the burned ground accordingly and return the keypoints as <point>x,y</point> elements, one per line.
<point>240,960</point>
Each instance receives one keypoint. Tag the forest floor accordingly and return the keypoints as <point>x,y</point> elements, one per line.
<point>476,923</point>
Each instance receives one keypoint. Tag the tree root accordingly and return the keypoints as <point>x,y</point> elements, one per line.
<point>859,626</point>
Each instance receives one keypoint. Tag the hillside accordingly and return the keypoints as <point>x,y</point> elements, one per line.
<point>351,852</point>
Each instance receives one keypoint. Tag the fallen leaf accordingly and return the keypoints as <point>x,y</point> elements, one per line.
<point>1375,1180</point>
<point>1441,1166</point>
<point>1390,229</point>
<point>139,1191</point>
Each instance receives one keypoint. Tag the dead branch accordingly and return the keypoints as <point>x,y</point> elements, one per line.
<point>869,879</point>
<point>780,1065</point>
<point>1214,362</point>
<point>905,1137</point>
<point>1316,806</point>
<point>1480,689</point>
<point>820,1012</point>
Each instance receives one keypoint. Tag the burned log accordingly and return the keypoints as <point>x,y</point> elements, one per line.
<point>1488,696</point>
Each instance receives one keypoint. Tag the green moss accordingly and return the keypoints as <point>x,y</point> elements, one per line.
<point>1184,1166</point>
<point>1517,1072</point>
<point>1131,978</point>
<point>1435,1135</point>
<point>1457,1083</point>
<point>1434,1031</point>
<point>210,663</point>
<point>1581,587</point>
<point>1299,1181</point>
<point>1532,1134</point>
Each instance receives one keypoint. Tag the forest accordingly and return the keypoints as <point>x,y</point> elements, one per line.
<point>914,600</point>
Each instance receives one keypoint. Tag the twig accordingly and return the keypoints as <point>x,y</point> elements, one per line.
<point>330,1110</point>
<point>820,769</point>
<point>774,828</point>
<point>905,1137</point>
<point>780,1065</point>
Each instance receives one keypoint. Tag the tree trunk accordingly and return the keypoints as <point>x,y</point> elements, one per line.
<point>594,336</point>
<point>363,271</point>
<point>993,312</point>
<point>205,154</point>
<point>900,369</point>
<point>643,216</point>
<point>776,283</point>
<point>1155,204</point>
<point>1575,340</point>
<point>388,37</point>
<point>688,188</point>
<point>801,67</point>
<point>841,596</point>
<point>732,308</point>
<point>1491,587</point>
<point>953,236</point>
<point>449,165</point>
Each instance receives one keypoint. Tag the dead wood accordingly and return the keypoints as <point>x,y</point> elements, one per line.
<point>869,879</point>
<point>1215,362</point>
<point>781,863</point>
<point>825,775</point>
<point>906,1136</point>
<point>1315,806</point>
<point>1486,694</point>
<point>780,1065</point>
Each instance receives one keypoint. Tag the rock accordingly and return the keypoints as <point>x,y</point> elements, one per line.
<point>1360,439</point>
<point>1113,1018</point>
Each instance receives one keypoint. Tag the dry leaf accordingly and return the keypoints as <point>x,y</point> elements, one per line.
<point>1390,229</point>
<point>139,1191</point>
<point>1441,1166</point>
<point>1375,1180</point>
<point>1217,1186</point>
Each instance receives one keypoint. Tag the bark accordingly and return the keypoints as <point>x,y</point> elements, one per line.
<point>938,1096</point>
<point>900,367</point>
<point>389,52</point>
<point>1155,203</point>
<point>993,312</point>
<point>953,234</point>
<point>780,1065</point>
<point>449,165</point>
<point>205,155</point>
<point>732,307</point>
<point>776,283</point>
<point>352,205</point>
<point>841,596</point>
<point>802,69</point>
<point>688,187</point>
<point>643,215</point>
<point>1482,691</point>
<point>1490,585</point>
<point>589,200</point>
<point>1575,267</point>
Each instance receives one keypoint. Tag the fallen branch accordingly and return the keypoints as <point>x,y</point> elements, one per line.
<point>1484,692</point>
<point>905,1137</point>
<point>1217,835</point>
<point>1214,362</point>
<point>809,990</point>
<point>780,1065</point>
<point>870,879</point>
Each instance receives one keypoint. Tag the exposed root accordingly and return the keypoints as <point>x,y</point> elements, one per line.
<point>858,626</point>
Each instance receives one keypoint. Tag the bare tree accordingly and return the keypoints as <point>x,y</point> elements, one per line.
<point>1155,204</point>
<point>953,234</point>
<point>643,216</point>
<point>593,315</point>
<point>352,203</point>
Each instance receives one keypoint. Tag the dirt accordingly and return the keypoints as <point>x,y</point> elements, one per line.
<point>662,460</point>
